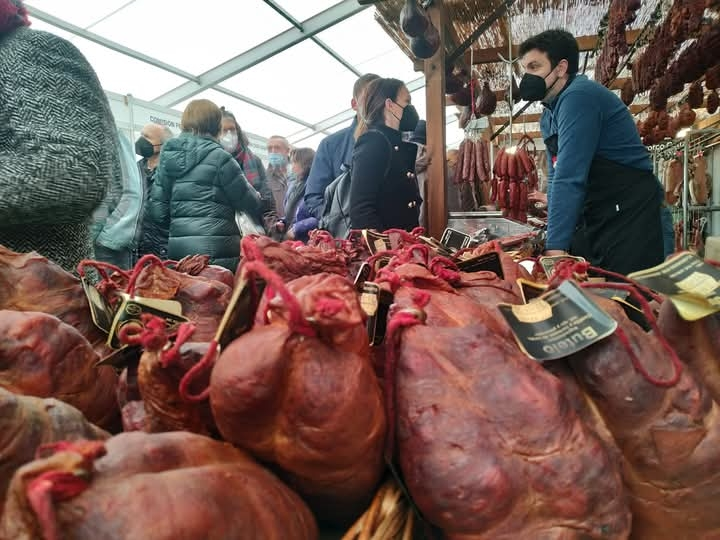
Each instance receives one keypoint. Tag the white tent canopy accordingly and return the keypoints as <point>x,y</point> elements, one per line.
<point>283,67</point>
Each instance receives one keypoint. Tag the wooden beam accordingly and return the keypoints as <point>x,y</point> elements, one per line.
<point>710,121</point>
<point>436,203</point>
<point>585,43</point>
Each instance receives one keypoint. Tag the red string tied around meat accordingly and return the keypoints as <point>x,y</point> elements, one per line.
<point>647,311</point>
<point>171,355</point>
<point>445,269</point>
<point>145,260</point>
<point>151,335</point>
<point>406,238</point>
<point>274,286</point>
<point>403,318</point>
<point>250,250</point>
<point>108,284</point>
<point>54,486</point>
<point>570,269</point>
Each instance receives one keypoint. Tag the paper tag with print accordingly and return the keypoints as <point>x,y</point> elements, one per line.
<point>559,323</point>
<point>375,302</point>
<point>691,284</point>
<point>131,310</point>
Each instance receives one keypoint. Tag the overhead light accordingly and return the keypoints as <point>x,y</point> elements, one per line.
<point>682,133</point>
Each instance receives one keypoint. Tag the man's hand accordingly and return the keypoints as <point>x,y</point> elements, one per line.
<point>537,197</point>
<point>555,253</point>
<point>280,226</point>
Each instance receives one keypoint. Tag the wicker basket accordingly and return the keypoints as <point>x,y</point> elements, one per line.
<point>389,517</point>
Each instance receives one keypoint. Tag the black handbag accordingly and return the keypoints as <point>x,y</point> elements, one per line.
<point>336,214</point>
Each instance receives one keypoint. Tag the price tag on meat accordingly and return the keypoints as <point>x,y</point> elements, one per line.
<point>557,324</point>
<point>692,285</point>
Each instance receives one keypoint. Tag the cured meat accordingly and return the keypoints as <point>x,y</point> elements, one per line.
<point>27,422</point>
<point>42,356</point>
<point>306,400</point>
<point>155,487</point>
<point>713,102</point>
<point>489,445</point>
<point>199,265</point>
<point>159,375</point>
<point>292,262</point>
<point>30,282</point>
<point>699,183</point>
<point>486,101</point>
<point>668,434</point>
<point>673,180</point>
<point>203,301</point>
<point>697,344</point>
<point>695,96</point>
<point>627,93</point>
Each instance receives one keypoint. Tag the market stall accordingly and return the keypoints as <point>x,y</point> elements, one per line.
<point>624,45</point>
<point>390,385</point>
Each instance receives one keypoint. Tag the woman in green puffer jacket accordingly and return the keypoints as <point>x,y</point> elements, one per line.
<point>199,188</point>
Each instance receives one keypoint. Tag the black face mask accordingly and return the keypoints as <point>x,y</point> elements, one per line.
<point>409,119</point>
<point>532,87</point>
<point>144,148</point>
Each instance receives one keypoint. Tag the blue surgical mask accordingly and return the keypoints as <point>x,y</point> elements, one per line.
<point>277,160</point>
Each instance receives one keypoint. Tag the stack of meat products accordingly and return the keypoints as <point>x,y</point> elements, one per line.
<point>668,435</point>
<point>621,13</point>
<point>473,170</point>
<point>42,356</point>
<point>155,487</point>
<point>487,441</point>
<point>699,182</point>
<point>491,444</point>
<point>683,20</point>
<point>27,422</point>
<point>690,65</point>
<point>514,177</point>
<point>306,399</point>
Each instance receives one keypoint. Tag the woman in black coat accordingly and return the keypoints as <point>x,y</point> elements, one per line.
<point>199,188</point>
<point>384,191</point>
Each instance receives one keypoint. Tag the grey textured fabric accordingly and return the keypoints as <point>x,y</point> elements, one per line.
<point>58,146</point>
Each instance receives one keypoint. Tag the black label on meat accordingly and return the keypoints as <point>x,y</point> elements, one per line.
<point>375,302</point>
<point>131,310</point>
<point>362,276</point>
<point>239,316</point>
<point>529,290</point>
<point>101,311</point>
<point>489,262</point>
<point>559,323</point>
<point>692,285</point>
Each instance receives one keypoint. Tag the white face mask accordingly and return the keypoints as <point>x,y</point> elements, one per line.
<point>229,141</point>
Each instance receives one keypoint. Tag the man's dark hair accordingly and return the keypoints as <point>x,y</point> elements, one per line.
<point>362,83</point>
<point>558,45</point>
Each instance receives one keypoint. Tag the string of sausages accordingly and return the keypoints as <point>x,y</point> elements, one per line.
<point>514,177</point>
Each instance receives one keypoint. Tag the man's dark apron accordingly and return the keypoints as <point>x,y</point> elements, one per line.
<point>620,225</point>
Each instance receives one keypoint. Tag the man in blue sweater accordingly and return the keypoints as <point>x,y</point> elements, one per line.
<point>333,152</point>
<point>604,201</point>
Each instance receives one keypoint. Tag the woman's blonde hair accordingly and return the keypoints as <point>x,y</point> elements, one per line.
<point>371,109</point>
<point>202,117</point>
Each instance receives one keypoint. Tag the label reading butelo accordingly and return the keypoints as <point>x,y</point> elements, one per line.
<point>557,324</point>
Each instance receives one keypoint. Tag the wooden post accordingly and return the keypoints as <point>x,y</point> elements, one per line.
<point>436,205</point>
